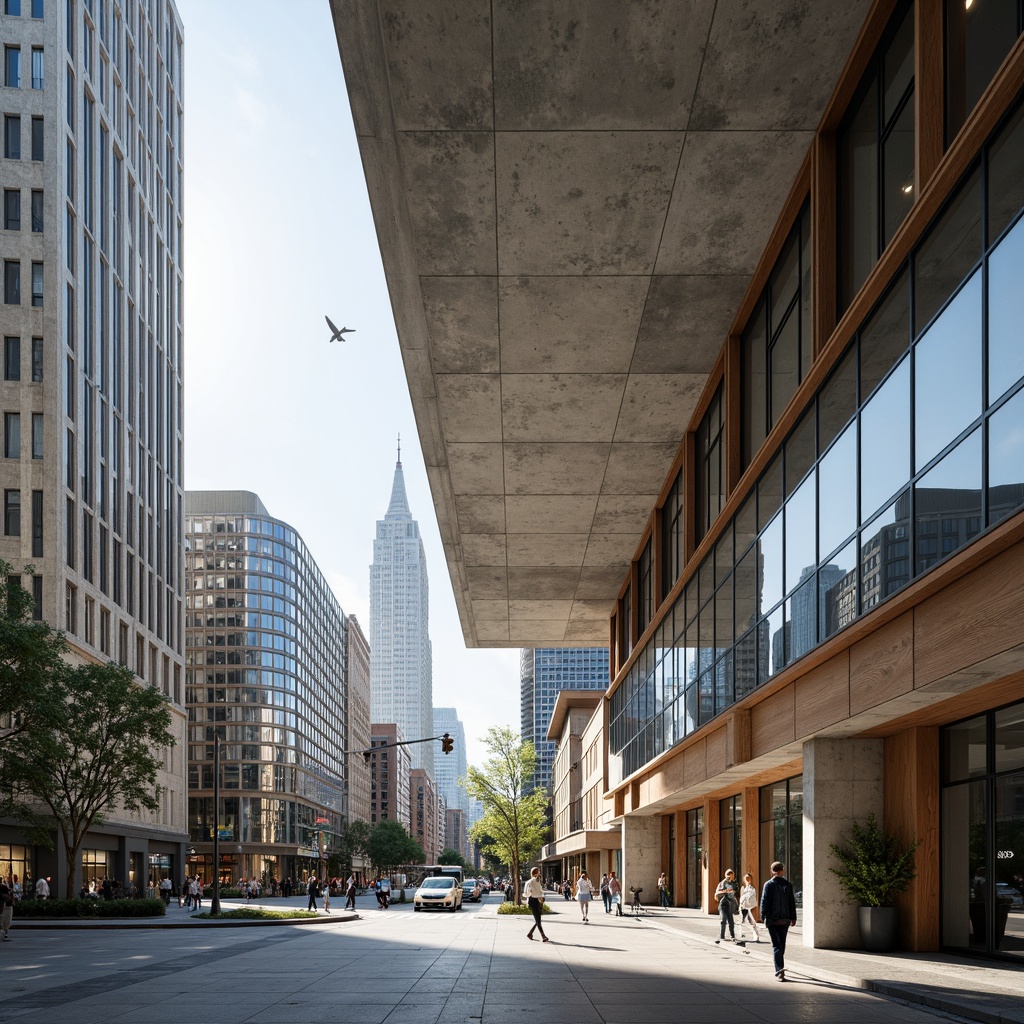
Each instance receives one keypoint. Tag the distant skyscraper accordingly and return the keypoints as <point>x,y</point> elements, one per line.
<point>401,688</point>
<point>449,768</point>
<point>543,672</point>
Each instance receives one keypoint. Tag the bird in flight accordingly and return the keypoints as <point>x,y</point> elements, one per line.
<point>338,332</point>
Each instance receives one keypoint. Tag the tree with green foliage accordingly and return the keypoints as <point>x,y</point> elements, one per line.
<point>390,845</point>
<point>450,856</point>
<point>96,751</point>
<point>352,842</point>
<point>31,652</point>
<point>512,827</point>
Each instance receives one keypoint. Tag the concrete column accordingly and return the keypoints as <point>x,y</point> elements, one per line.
<point>641,856</point>
<point>843,782</point>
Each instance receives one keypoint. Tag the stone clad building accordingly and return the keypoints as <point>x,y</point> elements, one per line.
<point>91,301</point>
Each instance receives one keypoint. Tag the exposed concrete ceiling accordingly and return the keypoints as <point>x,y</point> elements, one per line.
<point>571,197</point>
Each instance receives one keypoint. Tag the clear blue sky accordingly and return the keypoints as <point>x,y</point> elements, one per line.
<point>278,233</point>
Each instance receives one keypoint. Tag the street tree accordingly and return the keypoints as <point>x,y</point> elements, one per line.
<point>351,843</point>
<point>512,827</point>
<point>99,754</point>
<point>450,856</point>
<point>390,845</point>
<point>31,651</point>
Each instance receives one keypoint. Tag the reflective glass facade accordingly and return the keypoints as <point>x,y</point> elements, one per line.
<point>911,448</point>
<point>543,672</point>
<point>265,667</point>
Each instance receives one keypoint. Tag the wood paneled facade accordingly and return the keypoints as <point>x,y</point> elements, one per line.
<point>947,646</point>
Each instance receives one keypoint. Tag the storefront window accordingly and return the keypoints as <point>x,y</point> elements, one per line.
<point>730,836</point>
<point>694,856</point>
<point>983,833</point>
<point>782,831</point>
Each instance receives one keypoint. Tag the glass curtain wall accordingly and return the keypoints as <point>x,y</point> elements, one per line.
<point>912,447</point>
<point>730,836</point>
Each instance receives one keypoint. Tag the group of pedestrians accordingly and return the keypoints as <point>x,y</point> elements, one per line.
<point>777,905</point>
<point>777,908</point>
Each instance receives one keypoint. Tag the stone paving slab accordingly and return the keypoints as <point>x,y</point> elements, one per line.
<point>476,967</point>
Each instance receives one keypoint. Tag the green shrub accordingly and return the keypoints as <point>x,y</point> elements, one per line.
<point>90,908</point>
<point>256,914</point>
<point>520,908</point>
<point>876,868</point>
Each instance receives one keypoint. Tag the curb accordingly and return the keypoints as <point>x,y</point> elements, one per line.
<point>128,923</point>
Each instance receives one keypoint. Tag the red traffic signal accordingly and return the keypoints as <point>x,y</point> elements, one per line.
<point>447,744</point>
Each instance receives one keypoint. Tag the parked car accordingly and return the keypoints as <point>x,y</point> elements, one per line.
<point>1007,894</point>
<point>471,890</point>
<point>439,893</point>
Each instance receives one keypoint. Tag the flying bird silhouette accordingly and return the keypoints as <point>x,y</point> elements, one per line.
<point>338,332</point>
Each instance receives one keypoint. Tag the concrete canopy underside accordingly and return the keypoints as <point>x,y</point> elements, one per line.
<point>570,198</point>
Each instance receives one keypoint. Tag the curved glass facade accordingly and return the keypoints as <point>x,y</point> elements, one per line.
<point>912,447</point>
<point>265,667</point>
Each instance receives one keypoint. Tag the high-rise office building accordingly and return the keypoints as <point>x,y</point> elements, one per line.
<point>91,240</point>
<point>390,775</point>
<point>450,768</point>
<point>543,672</point>
<point>267,671</point>
<point>357,719</point>
<point>425,825</point>
<point>400,655</point>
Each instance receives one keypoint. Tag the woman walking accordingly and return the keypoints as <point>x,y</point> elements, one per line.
<point>748,900</point>
<point>663,890</point>
<point>606,894</point>
<point>534,893</point>
<point>727,894</point>
<point>584,890</point>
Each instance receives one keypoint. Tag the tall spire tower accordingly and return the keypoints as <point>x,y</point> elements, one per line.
<point>401,682</point>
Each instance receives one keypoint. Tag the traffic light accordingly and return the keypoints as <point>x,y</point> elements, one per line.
<point>447,743</point>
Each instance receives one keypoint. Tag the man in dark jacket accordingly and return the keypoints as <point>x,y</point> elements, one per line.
<point>778,912</point>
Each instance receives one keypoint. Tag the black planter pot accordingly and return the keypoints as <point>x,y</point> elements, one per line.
<point>877,928</point>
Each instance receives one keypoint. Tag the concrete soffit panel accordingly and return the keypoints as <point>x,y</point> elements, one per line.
<point>570,199</point>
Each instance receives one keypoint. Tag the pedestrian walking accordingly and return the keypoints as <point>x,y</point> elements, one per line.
<point>42,889</point>
<point>778,913</point>
<point>534,893</point>
<point>615,890</point>
<point>6,909</point>
<point>584,890</point>
<point>327,896</point>
<point>606,895</point>
<point>728,896</point>
<point>312,890</point>
<point>663,890</point>
<point>350,893</point>
<point>748,900</point>
<point>165,890</point>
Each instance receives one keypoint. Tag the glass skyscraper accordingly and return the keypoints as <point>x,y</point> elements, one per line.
<point>543,671</point>
<point>265,667</point>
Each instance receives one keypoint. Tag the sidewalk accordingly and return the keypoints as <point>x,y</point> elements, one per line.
<point>980,990</point>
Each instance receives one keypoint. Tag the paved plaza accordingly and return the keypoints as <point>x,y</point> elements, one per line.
<point>405,968</point>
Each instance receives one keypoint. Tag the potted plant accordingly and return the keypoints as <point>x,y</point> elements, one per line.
<point>875,870</point>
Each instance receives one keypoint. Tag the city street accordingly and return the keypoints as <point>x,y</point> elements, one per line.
<point>407,968</point>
